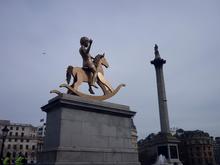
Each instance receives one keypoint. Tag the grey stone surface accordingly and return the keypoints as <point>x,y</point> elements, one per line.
<point>162,101</point>
<point>87,132</point>
<point>168,140</point>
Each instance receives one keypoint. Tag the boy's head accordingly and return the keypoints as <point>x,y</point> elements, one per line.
<point>84,41</point>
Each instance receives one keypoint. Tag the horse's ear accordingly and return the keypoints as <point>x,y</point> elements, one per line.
<point>103,55</point>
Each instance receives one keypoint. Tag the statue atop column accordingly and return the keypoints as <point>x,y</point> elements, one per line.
<point>91,72</point>
<point>156,52</point>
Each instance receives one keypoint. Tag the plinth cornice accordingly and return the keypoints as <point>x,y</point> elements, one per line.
<point>75,102</point>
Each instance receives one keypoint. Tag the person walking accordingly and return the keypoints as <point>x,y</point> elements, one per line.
<point>20,159</point>
<point>7,159</point>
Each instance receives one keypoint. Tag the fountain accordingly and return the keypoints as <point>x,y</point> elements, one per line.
<point>161,160</point>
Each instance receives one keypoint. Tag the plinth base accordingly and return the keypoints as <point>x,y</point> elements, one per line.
<point>87,132</point>
<point>167,145</point>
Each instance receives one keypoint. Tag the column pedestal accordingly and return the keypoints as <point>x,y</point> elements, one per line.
<point>86,132</point>
<point>167,145</point>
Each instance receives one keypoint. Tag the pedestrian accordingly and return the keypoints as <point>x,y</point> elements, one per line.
<point>7,159</point>
<point>20,159</point>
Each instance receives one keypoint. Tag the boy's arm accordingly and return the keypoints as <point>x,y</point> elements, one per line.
<point>90,43</point>
<point>83,50</point>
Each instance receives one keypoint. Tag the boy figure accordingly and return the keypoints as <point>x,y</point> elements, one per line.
<point>86,43</point>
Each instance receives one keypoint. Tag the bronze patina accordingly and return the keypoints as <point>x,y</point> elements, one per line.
<point>91,72</point>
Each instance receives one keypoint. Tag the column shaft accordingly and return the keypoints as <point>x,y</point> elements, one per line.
<point>162,101</point>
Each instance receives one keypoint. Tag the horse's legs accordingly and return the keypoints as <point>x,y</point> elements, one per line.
<point>103,87</point>
<point>77,83</point>
<point>72,85</point>
<point>90,89</point>
<point>104,81</point>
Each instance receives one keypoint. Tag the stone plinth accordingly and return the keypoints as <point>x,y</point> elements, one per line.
<point>167,145</point>
<point>86,132</point>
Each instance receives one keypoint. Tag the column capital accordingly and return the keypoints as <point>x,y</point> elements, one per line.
<point>158,61</point>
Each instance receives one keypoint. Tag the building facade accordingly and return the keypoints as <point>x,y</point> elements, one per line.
<point>153,147</point>
<point>41,130</point>
<point>195,147</point>
<point>147,151</point>
<point>21,138</point>
<point>217,150</point>
<point>134,136</point>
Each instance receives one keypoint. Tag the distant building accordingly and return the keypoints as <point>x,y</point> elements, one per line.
<point>41,130</point>
<point>150,148</point>
<point>217,150</point>
<point>134,136</point>
<point>147,152</point>
<point>195,147</point>
<point>21,138</point>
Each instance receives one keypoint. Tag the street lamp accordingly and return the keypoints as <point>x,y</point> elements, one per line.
<point>4,135</point>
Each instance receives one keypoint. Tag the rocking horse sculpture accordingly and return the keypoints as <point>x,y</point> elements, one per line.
<point>92,72</point>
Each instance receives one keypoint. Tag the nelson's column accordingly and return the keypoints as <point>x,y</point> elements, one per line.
<point>165,143</point>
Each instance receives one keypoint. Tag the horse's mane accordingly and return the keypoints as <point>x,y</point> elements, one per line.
<point>97,58</point>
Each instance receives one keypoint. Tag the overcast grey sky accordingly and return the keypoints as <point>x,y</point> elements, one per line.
<point>187,32</point>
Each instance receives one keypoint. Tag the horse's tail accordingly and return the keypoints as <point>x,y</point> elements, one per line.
<point>68,74</point>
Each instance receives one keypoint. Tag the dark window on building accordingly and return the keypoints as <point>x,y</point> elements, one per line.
<point>11,128</point>
<point>9,146</point>
<point>27,147</point>
<point>17,128</point>
<point>22,140</point>
<point>33,147</point>
<point>26,154</point>
<point>15,140</point>
<point>27,140</point>
<point>22,134</point>
<point>22,128</point>
<point>21,147</point>
<point>163,150</point>
<point>10,133</point>
<point>14,146</point>
<point>9,140</point>
<point>173,152</point>
<point>210,153</point>
<point>16,134</point>
<point>14,154</point>
<point>32,154</point>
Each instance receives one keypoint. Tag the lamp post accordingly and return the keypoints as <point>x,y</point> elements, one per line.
<point>4,135</point>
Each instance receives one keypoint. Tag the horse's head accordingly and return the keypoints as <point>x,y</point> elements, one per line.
<point>100,59</point>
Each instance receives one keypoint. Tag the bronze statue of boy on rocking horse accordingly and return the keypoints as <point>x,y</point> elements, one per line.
<point>92,72</point>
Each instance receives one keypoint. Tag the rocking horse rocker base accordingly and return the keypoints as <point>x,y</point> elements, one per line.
<point>103,97</point>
